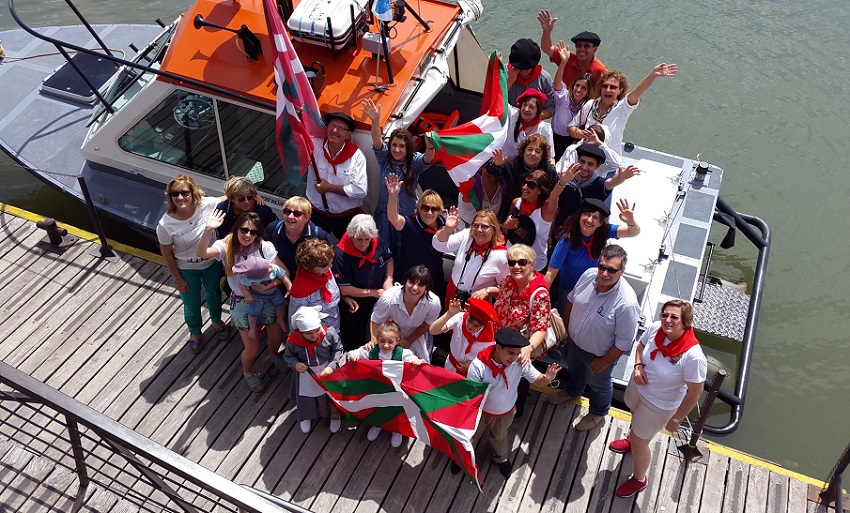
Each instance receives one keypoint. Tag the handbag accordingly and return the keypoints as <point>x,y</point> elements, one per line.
<point>555,333</point>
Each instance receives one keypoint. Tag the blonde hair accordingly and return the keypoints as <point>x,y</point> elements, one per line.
<point>430,196</point>
<point>299,203</point>
<point>518,251</point>
<point>389,328</point>
<point>239,186</point>
<point>175,184</point>
<point>492,220</point>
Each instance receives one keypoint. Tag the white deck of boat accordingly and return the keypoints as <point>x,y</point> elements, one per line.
<point>111,335</point>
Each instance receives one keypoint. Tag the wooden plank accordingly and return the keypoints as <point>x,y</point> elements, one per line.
<point>777,493</point>
<point>715,483</point>
<point>374,490</point>
<point>414,462</point>
<point>302,462</point>
<point>56,493</point>
<point>672,472</point>
<point>757,490</point>
<point>585,475</point>
<point>420,492</point>
<point>693,486</point>
<point>797,497</point>
<point>569,457</point>
<point>608,476</point>
<point>25,483</point>
<point>736,487</point>
<point>323,466</point>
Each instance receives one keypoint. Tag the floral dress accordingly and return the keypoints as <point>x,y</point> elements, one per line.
<point>517,309</point>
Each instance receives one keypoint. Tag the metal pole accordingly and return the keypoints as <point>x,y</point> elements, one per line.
<point>690,450</point>
<point>77,448</point>
<point>105,248</point>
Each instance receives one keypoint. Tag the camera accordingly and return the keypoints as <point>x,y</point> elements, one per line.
<point>463,296</point>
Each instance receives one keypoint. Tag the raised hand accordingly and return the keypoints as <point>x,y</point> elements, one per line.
<point>591,137</point>
<point>552,371</point>
<point>452,219</point>
<point>565,176</point>
<point>563,49</point>
<point>628,172</point>
<point>547,22</point>
<point>216,219</point>
<point>393,184</point>
<point>627,213</point>
<point>454,306</point>
<point>372,111</point>
<point>499,157</point>
<point>665,70</point>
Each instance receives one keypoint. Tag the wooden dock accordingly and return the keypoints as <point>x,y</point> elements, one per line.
<point>111,335</point>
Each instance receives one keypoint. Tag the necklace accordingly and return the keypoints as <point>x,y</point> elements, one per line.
<point>595,113</point>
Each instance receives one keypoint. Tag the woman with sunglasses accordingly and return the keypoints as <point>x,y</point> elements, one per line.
<point>398,157</point>
<point>178,233</point>
<point>416,232</point>
<point>481,258</point>
<point>295,227</point>
<point>585,234</point>
<point>568,101</point>
<point>670,369</point>
<point>534,154</point>
<point>523,304</point>
<point>242,196</point>
<point>246,240</point>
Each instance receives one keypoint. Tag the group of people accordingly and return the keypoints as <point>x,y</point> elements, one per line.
<point>330,283</point>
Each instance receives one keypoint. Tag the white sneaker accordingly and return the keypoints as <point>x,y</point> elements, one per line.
<point>395,441</point>
<point>336,423</point>
<point>373,433</point>
<point>306,425</point>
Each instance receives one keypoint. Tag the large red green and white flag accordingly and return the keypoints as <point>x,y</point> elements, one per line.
<point>437,406</point>
<point>465,148</point>
<point>294,96</point>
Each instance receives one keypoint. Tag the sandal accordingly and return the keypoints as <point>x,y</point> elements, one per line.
<point>194,346</point>
<point>255,383</point>
<point>281,364</point>
<point>223,332</point>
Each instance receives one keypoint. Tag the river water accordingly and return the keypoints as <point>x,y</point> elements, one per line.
<point>750,97</point>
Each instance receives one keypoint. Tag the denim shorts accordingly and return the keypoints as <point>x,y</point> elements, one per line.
<point>239,313</point>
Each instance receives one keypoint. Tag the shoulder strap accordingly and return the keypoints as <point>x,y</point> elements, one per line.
<point>398,352</point>
<point>373,353</point>
<point>531,298</point>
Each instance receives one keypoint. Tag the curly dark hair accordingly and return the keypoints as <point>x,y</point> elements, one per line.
<point>572,232</point>
<point>539,140</point>
<point>407,137</point>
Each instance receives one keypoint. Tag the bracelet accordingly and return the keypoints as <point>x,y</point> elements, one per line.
<point>641,364</point>
<point>677,421</point>
<point>368,292</point>
<point>563,184</point>
<point>631,225</point>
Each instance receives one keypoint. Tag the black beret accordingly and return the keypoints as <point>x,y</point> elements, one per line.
<point>595,205</point>
<point>525,54</point>
<point>509,337</point>
<point>590,37</point>
<point>348,120</point>
<point>589,150</point>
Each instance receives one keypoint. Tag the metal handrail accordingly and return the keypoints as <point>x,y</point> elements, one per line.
<point>129,444</point>
<point>833,492</point>
<point>748,225</point>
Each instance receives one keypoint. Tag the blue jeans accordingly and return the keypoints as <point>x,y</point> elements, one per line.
<point>600,384</point>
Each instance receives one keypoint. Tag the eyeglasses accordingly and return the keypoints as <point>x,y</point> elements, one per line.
<point>432,209</point>
<point>584,45</point>
<point>339,128</point>
<point>290,212</point>
<point>673,317</point>
<point>479,226</point>
<point>531,185</point>
<point>249,197</point>
<point>609,87</point>
<point>522,262</point>
<point>246,231</point>
<point>175,194</point>
<point>609,270</point>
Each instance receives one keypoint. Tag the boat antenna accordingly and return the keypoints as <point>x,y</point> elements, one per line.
<point>250,43</point>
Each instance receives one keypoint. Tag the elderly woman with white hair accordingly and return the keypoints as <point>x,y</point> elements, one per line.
<point>363,269</point>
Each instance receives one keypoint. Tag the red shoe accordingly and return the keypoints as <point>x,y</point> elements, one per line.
<point>631,487</point>
<point>621,446</point>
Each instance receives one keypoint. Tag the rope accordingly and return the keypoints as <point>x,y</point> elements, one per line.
<point>11,58</point>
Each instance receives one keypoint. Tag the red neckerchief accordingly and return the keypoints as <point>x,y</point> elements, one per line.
<point>675,347</point>
<point>534,74</point>
<point>588,244</point>
<point>523,125</point>
<point>487,333</point>
<point>347,247</point>
<point>296,338</point>
<point>526,209</point>
<point>535,283</point>
<point>305,283</point>
<point>348,150</point>
<point>428,229</point>
<point>486,357</point>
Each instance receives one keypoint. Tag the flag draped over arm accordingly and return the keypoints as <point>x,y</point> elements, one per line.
<point>439,407</point>
<point>465,148</point>
<point>294,96</point>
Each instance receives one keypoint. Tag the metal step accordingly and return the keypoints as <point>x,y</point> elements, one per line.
<point>722,311</point>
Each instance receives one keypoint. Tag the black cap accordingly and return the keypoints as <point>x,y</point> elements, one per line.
<point>525,54</point>
<point>348,120</point>
<point>589,150</point>
<point>594,205</point>
<point>590,37</point>
<point>509,337</point>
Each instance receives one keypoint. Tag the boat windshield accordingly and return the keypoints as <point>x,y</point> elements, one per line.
<point>215,138</point>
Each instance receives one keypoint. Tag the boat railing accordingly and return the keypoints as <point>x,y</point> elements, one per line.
<point>112,456</point>
<point>758,233</point>
<point>833,492</point>
<point>64,47</point>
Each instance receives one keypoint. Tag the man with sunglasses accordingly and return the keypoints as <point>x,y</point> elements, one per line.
<point>601,317</point>
<point>338,185</point>
<point>582,61</point>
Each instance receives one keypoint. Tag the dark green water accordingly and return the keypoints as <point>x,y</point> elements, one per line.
<point>753,97</point>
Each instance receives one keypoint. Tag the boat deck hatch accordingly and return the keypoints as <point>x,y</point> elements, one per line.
<point>67,84</point>
<point>722,311</point>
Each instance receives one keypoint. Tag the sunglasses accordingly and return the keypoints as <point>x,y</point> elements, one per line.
<point>432,209</point>
<point>249,197</point>
<point>609,270</point>
<point>246,231</point>
<point>531,185</point>
<point>584,45</point>
<point>671,316</point>
<point>522,262</point>
<point>290,212</point>
<point>175,194</point>
<point>609,87</point>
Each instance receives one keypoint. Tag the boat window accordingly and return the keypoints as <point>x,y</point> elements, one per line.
<point>181,131</point>
<point>250,147</point>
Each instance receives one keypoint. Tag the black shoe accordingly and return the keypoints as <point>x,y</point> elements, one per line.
<point>505,467</point>
<point>455,469</point>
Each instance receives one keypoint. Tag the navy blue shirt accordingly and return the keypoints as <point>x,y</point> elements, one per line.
<point>275,233</point>
<point>267,217</point>
<point>417,249</point>
<point>348,271</point>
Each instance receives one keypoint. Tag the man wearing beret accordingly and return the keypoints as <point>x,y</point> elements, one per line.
<point>582,182</point>
<point>525,72</point>
<point>338,191</point>
<point>582,61</point>
<point>498,366</point>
